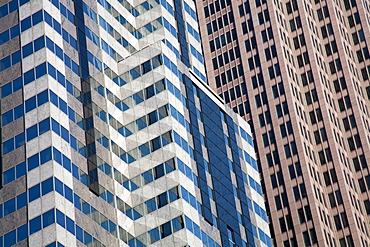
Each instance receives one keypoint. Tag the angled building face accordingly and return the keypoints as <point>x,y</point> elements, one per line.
<point>110,136</point>
<point>298,72</point>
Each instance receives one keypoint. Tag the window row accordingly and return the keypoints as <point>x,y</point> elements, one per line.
<point>234,93</point>
<point>220,22</point>
<point>244,9</point>
<point>263,17</point>
<point>223,40</point>
<point>215,7</point>
<point>230,75</point>
<point>38,223</point>
<point>226,58</point>
<point>247,26</point>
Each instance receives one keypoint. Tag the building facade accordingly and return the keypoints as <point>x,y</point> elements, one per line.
<point>298,72</point>
<point>110,135</point>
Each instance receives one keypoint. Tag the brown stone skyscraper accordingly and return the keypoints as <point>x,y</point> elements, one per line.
<point>298,71</point>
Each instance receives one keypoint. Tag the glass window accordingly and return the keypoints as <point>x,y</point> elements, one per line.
<point>21,200</point>
<point>59,186</point>
<point>9,207</point>
<point>22,232</point>
<point>48,218</point>
<point>30,104</point>
<point>60,218</point>
<point>26,24</point>
<point>10,238</point>
<point>70,225</point>
<point>177,224</point>
<point>68,194</point>
<point>35,225</point>
<point>32,133</point>
<point>21,169</point>
<point>40,70</point>
<point>47,186</point>
<point>34,193</point>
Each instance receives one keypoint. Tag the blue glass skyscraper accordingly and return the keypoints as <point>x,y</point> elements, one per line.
<point>110,135</point>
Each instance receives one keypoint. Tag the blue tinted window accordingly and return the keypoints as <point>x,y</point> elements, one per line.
<point>48,218</point>
<point>21,200</point>
<point>37,17</point>
<point>60,218</point>
<point>63,106</point>
<point>59,52</point>
<point>9,207</point>
<point>9,176</point>
<point>68,194</point>
<point>6,90</point>
<point>177,224</point>
<point>54,98</point>
<point>8,146</point>
<point>1,214</point>
<point>66,163</point>
<point>52,71</point>
<point>5,63</point>
<point>57,155</point>
<point>33,162</point>
<point>71,17</point>
<point>48,18</point>
<point>39,43</point>
<point>45,155</point>
<point>73,142</point>
<point>79,233</point>
<point>44,126</point>
<point>7,117</point>
<point>20,140</point>
<point>65,34</point>
<point>70,225</point>
<point>32,132</point>
<point>73,42</point>
<point>59,186</point>
<point>61,78</point>
<point>87,238</point>
<point>42,98</point>
<point>55,126</point>
<point>22,232</point>
<point>4,11</point>
<point>75,171</point>
<point>30,104</point>
<point>57,26</point>
<point>18,111</point>
<point>17,84</point>
<point>75,67</point>
<point>10,239</point>
<point>67,61</point>
<point>27,50</point>
<point>52,245</point>
<point>16,57</point>
<point>4,37</point>
<point>21,169</point>
<point>14,32</point>
<point>154,234</point>
<point>86,208</point>
<point>77,201</point>
<point>34,193</point>
<point>35,225</point>
<point>47,186</point>
<point>40,70</point>
<point>28,77</point>
<point>26,24</point>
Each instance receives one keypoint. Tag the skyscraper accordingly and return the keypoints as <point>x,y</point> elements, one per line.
<point>110,136</point>
<point>298,71</point>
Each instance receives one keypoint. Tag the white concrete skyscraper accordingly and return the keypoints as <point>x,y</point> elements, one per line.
<point>111,136</point>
